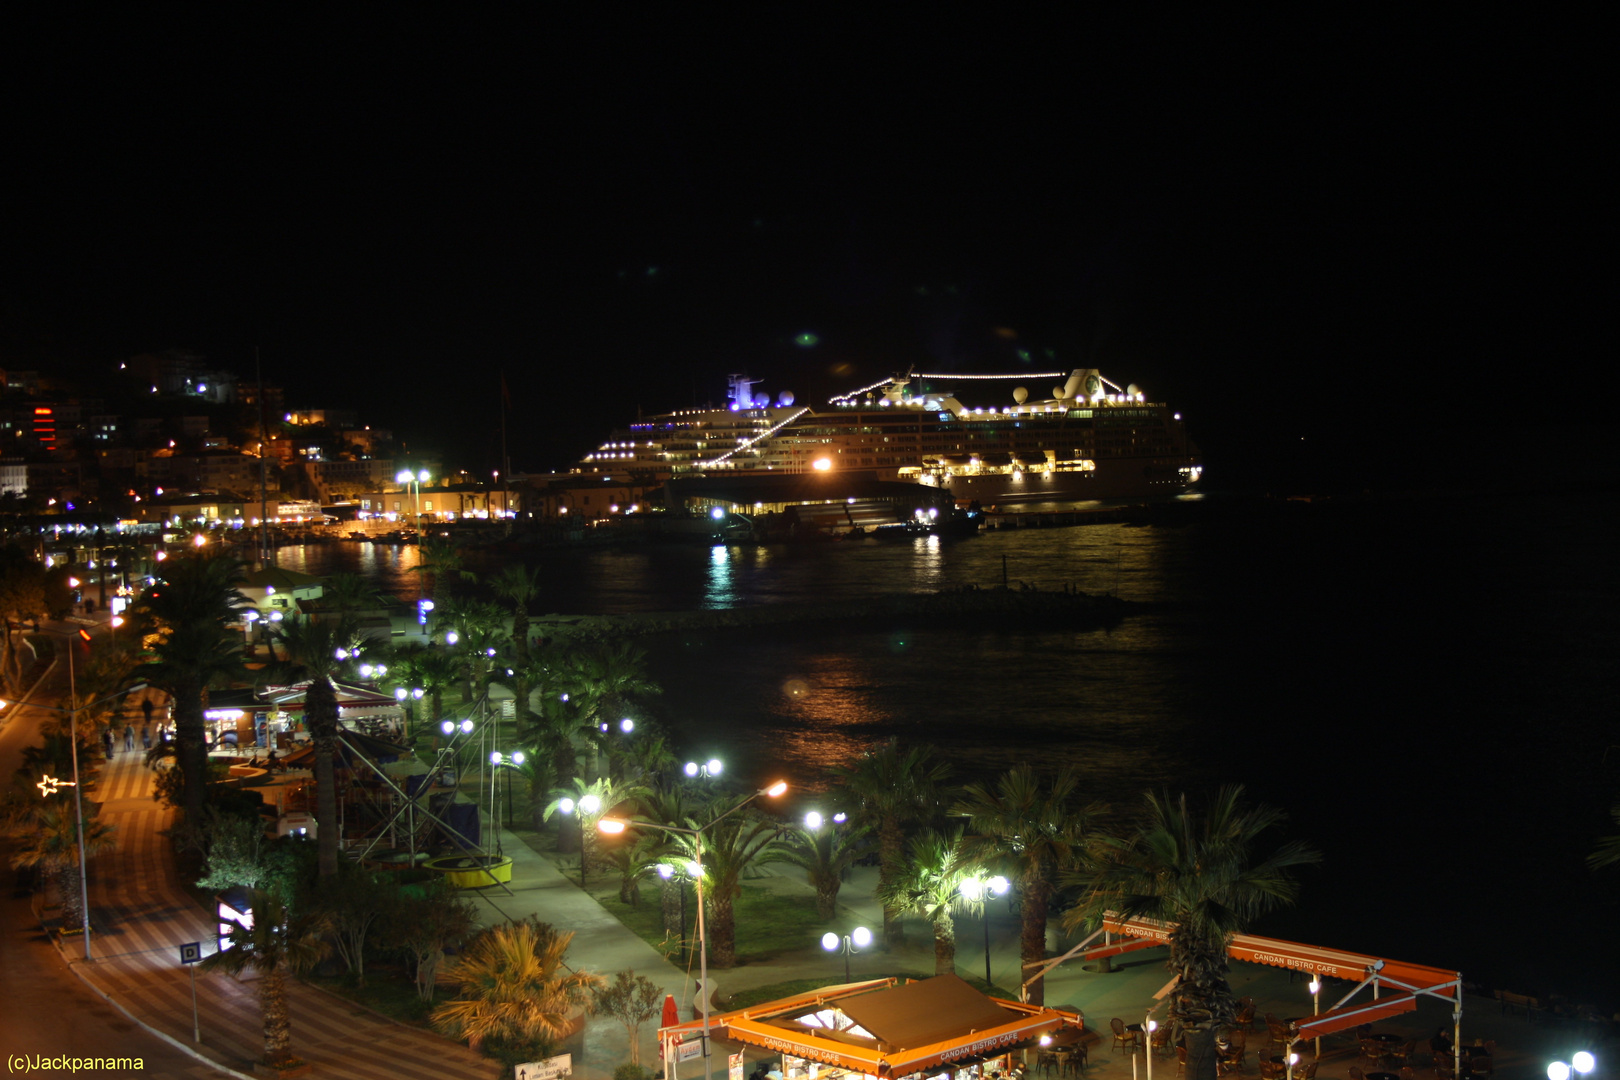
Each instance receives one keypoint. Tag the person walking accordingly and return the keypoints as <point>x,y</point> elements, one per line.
<point>107,742</point>
<point>129,737</point>
<point>146,736</point>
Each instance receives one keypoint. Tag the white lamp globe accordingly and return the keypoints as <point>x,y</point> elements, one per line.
<point>1583,1062</point>
<point>812,820</point>
<point>829,941</point>
<point>714,766</point>
<point>566,805</point>
<point>627,725</point>
<point>1558,1070</point>
<point>999,885</point>
<point>691,768</point>
<point>519,758</point>
<point>590,804</point>
<point>862,937</point>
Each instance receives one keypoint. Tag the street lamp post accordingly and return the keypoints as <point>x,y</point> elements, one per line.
<point>1316,1010</point>
<point>613,826</point>
<point>858,938</point>
<point>588,804</point>
<point>73,710</point>
<point>979,890</point>
<point>511,761</point>
<point>413,482</point>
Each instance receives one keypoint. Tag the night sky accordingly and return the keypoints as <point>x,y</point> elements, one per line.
<point>1352,253</point>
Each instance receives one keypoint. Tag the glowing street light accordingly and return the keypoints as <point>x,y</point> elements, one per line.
<point>588,804</point>
<point>979,890</point>
<point>1580,1063</point>
<point>859,938</point>
<point>709,769</point>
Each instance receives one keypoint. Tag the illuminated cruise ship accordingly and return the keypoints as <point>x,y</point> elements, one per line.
<point>983,437</point>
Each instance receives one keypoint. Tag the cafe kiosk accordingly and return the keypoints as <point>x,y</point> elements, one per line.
<point>886,1029</point>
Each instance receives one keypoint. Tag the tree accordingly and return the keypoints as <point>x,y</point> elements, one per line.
<point>608,683</point>
<point>1033,828</point>
<point>516,991</point>
<point>608,795</point>
<point>348,593</point>
<point>426,921</point>
<point>187,615</point>
<point>518,585</point>
<point>728,847</point>
<point>824,854</point>
<point>46,838</point>
<point>930,885</point>
<point>353,900</point>
<point>634,857</point>
<point>423,667</point>
<point>1607,852</point>
<point>310,653</point>
<point>442,559</point>
<point>632,1000</point>
<point>1196,872</point>
<point>274,946</point>
<point>22,599</point>
<point>891,788</point>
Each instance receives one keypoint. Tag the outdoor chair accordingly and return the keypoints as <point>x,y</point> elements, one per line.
<point>1160,1039</point>
<point>1479,1066</point>
<point>1271,1070</point>
<point>1046,1061</point>
<point>1076,1060</point>
<point>1122,1038</point>
<point>1308,1072</point>
<point>1400,1055</point>
<point>1245,1015</point>
<point>1355,1073</point>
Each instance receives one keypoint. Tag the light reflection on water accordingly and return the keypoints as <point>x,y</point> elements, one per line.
<point>1367,668</point>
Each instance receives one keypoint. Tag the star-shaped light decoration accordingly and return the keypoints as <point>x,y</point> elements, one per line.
<point>50,785</point>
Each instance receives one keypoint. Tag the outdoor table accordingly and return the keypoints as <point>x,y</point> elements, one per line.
<point>1383,1076</point>
<point>1385,1037</point>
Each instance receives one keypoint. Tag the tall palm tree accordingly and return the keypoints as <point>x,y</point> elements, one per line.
<point>442,559</point>
<point>46,837</point>
<point>310,653</point>
<point>22,597</point>
<point>186,618</point>
<point>608,683</point>
<point>518,585</point>
<point>482,630</point>
<point>931,886</point>
<point>729,847</point>
<point>348,593</point>
<point>824,854</point>
<point>1607,852</point>
<point>275,946</point>
<point>1196,871</point>
<point>1034,828</point>
<point>890,788</point>
<point>516,990</point>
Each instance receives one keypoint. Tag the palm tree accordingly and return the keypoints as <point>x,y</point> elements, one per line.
<point>607,684</point>
<point>625,797</point>
<point>22,597</point>
<point>518,585</point>
<point>516,990</point>
<point>425,668</point>
<point>1032,828</point>
<point>442,559</point>
<point>348,593</point>
<point>187,617</point>
<point>891,788</point>
<point>931,886</point>
<point>1196,872</point>
<point>310,652</point>
<point>728,847</point>
<point>274,946</point>
<point>550,729</point>
<point>824,854</point>
<point>482,628</point>
<point>46,835</point>
<point>1607,852</point>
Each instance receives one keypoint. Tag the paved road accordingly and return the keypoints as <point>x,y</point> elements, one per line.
<point>48,1010</point>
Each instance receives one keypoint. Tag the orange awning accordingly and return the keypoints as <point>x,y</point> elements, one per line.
<point>1349,1016</point>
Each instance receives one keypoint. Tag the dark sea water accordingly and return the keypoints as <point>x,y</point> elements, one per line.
<point>1428,687</point>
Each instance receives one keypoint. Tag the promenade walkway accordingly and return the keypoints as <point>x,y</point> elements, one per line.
<point>142,916</point>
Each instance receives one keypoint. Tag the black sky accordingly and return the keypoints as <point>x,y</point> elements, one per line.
<point>1351,233</point>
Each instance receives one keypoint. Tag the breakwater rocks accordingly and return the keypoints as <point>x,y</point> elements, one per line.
<point>970,606</point>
